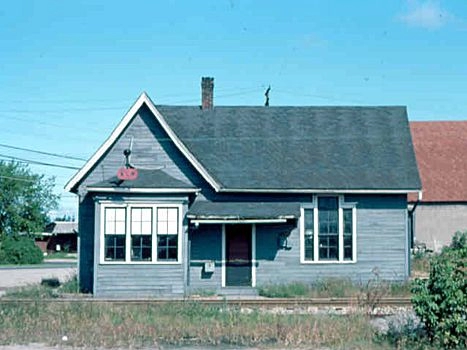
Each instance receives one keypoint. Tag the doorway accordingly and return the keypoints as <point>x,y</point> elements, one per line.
<point>238,255</point>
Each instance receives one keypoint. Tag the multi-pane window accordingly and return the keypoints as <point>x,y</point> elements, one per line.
<point>141,234</point>
<point>114,234</point>
<point>135,233</point>
<point>309,233</point>
<point>328,230</point>
<point>348,234</point>
<point>167,233</point>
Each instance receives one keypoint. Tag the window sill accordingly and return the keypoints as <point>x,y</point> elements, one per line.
<point>328,262</point>
<point>140,263</point>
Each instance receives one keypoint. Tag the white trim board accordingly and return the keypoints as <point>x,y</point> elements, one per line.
<point>100,221</point>
<point>223,257</point>
<point>128,117</point>
<point>142,190</point>
<point>317,191</point>
<point>238,221</point>
<point>314,207</point>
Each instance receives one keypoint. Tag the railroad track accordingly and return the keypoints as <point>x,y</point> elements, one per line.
<point>253,303</point>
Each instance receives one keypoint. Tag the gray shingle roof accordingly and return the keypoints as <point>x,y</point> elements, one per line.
<point>344,148</point>
<point>62,227</point>
<point>146,179</point>
<point>243,210</point>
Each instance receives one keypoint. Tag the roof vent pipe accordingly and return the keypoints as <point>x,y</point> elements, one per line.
<point>207,92</point>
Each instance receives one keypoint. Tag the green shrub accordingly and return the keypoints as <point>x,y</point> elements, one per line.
<point>441,301</point>
<point>19,250</point>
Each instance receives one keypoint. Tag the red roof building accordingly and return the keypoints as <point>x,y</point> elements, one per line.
<point>441,152</point>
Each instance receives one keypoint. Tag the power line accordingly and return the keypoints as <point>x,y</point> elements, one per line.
<point>29,161</point>
<point>40,122</point>
<point>324,97</point>
<point>42,152</point>
<point>107,100</point>
<point>235,92</point>
<point>64,110</point>
<point>16,178</point>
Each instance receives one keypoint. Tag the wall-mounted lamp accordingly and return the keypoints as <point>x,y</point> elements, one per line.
<point>282,241</point>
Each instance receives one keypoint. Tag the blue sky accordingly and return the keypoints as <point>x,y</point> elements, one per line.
<point>69,70</point>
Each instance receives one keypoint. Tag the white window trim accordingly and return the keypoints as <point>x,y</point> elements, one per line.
<point>314,205</point>
<point>128,207</point>
<point>223,273</point>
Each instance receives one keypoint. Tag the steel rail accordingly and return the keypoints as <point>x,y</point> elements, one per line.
<point>256,303</point>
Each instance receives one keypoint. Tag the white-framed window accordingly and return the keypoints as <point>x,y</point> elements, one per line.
<point>328,230</point>
<point>141,233</point>
<point>114,234</point>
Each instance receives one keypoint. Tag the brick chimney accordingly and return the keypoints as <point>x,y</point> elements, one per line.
<point>207,92</point>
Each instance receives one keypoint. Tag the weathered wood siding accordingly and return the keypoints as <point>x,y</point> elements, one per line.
<point>382,247</point>
<point>381,231</point>
<point>141,280</point>
<point>205,245</point>
<point>152,149</point>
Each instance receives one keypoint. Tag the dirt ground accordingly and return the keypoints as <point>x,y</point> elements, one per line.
<point>45,347</point>
<point>18,277</point>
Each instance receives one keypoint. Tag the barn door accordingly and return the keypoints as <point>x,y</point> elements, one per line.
<point>238,255</point>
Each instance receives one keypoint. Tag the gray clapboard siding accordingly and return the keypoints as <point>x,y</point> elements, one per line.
<point>152,148</point>
<point>381,230</point>
<point>381,246</point>
<point>140,280</point>
<point>206,245</point>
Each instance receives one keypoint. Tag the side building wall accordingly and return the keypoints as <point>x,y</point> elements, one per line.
<point>141,280</point>
<point>151,150</point>
<point>382,249</point>
<point>435,224</point>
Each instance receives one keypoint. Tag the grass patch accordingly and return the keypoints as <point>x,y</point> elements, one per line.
<point>61,255</point>
<point>112,325</point>
<point>290,290</point>
<point>38,291</point>
<point>335,288</point>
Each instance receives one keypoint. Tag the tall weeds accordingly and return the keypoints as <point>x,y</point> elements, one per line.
<point>107,325</point>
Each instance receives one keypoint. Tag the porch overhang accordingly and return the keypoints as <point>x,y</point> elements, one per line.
<point>206,212</point>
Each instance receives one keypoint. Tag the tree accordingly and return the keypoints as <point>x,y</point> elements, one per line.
<point>25,199</point>
<point>441,301</point>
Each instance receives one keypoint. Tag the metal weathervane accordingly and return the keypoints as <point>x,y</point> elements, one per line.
<point>128,172</point>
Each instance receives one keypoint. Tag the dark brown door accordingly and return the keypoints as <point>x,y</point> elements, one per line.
<point>238,255</point>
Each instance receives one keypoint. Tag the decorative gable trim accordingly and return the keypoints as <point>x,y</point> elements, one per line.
<point>142,99</point>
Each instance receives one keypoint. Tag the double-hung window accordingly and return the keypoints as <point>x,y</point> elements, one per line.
<point>141,234</point>
<point>134,233</point>
<point>114,234</point>
<point>327,230</point>
<point>167,233</point>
